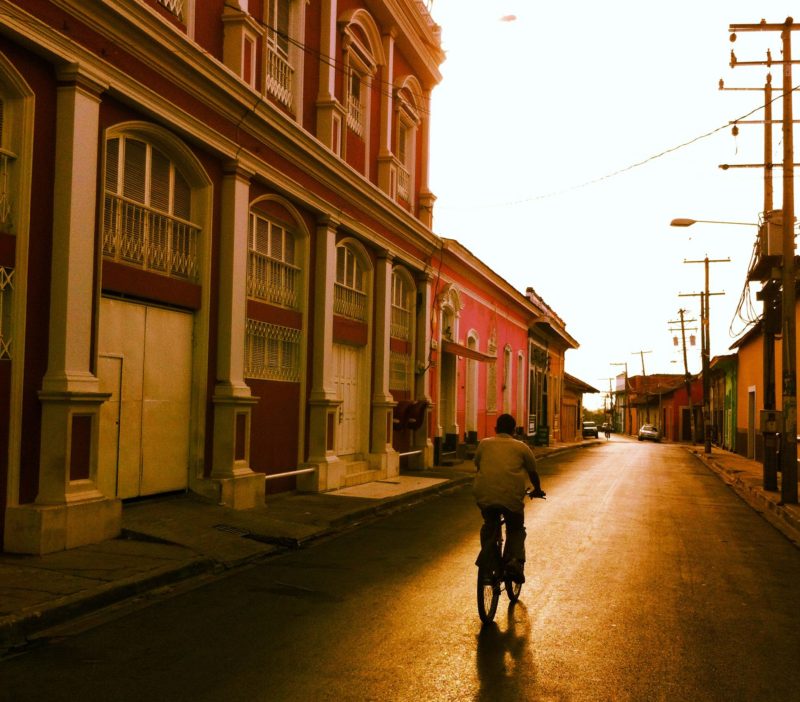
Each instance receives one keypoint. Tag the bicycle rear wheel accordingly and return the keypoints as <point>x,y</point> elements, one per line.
<point>513,589</point>
<point>488,595</point>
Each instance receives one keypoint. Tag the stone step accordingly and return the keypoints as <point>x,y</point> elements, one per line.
<point>359,478</point>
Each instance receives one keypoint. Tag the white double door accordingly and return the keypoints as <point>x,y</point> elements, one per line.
<point>145,359</point>
<point>350,389</point>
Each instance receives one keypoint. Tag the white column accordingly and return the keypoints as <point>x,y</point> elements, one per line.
<point>382,456</point>
<point>69,510</point>
<point>236,484</point>
<point>422,389</point>
<point>323,401</point>
<point>426,197</point>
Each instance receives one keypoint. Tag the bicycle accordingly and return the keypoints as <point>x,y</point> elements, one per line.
<point>496,579</point>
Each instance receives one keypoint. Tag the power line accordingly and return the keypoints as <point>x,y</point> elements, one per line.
<point>620,171</point>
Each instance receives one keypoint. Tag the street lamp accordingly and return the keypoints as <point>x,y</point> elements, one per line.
<point>685,222</point>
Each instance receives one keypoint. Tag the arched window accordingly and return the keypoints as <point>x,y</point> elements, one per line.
<point>407,122</point>
<point>402,306</point>
<point>402,328</point>
<point>273,274</point>
<point>350,297</point>
<point>148,209</point>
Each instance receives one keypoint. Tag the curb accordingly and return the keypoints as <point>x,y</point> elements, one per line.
<point>772,511</point>
<point>16,629</point>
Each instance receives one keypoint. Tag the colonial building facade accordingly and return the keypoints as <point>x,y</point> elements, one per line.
<point>217,269</point>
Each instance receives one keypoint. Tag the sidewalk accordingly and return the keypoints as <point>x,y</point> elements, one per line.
<point>745,477</point>
<point>165,541</point>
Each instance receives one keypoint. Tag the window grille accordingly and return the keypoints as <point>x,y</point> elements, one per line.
<point>280,72</point>
<point>272,352</point>
<point>400,327</point>
<point>147,209</point>
<point>399,371</point>
<point>6,297</point>
<point>403,182</point>
<point>279,76</point>
<point>349,297</point>
<point>355,111</point>
<point>272,275</point>
<point>173,6</point>
<point>404,160</point>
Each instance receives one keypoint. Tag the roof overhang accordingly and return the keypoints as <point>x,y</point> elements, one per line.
<point>461,350</point>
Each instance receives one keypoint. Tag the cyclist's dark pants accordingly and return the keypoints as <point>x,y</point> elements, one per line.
<point>515,532</point>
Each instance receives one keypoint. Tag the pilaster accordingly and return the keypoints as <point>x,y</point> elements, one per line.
<point>323,401</point>
<point>382,455</point>
<point>70,510</point>
<point>237,485</point>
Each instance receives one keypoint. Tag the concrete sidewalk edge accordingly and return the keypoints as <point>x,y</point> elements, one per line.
<point>762,502</point>
<point>17,628</point>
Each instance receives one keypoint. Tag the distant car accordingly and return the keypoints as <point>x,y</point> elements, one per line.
<point>649,432</point>
<point>589,429</point>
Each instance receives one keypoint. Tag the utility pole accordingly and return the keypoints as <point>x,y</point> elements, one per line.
<point>627,397</point>
<point>705,342</point>
<point>788,277</point>
<point>686,375</point>
<point>644,386</point>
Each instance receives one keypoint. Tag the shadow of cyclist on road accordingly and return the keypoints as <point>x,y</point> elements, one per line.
<point>504,658</point>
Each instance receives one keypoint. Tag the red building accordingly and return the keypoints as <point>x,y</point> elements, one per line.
<point>217,269</point>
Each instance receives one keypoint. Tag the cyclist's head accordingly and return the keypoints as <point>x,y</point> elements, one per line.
<point>505,424</point>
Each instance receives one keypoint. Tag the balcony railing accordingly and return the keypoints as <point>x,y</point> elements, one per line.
<point>173,6</point>
<point>350,303</point>
<point>279,76</point>
<point>272,281</point>
<point>403,182</point>
<point>400,327</point>
<point>355,116</point>
<point>136,235</point>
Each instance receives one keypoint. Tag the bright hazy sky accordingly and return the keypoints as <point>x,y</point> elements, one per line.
<point>532,113</point>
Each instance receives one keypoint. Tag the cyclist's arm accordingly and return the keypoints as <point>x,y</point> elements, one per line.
<point>530,467</point>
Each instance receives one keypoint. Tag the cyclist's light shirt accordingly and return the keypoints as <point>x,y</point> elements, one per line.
<point>503,464</point>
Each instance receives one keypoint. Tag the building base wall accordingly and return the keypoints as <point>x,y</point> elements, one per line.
<point>41,529</point>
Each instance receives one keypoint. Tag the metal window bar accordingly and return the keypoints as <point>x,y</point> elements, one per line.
<point>272,281</point>
<point>279,75</point>
<point>135,234</point>
<point>6,158</point>
<point>350,303</point>
<point>272,352</point>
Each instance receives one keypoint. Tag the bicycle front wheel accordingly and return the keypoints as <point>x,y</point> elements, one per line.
<point>488,595</point>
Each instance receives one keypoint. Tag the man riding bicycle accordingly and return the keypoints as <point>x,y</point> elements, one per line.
<point>505,465</point>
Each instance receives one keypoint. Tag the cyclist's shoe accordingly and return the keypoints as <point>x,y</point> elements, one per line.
<point>537,493</point>
<point>516,570</point>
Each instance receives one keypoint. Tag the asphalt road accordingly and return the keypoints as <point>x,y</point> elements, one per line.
<point>648,579</point>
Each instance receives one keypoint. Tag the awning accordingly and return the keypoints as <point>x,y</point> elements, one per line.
<point>466,352</point>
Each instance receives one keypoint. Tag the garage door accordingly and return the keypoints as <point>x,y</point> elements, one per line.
<point>145,355</point>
